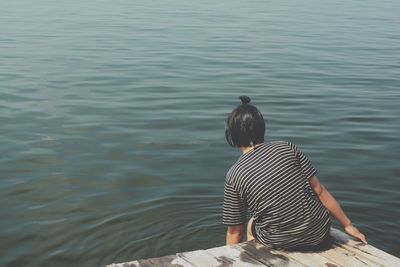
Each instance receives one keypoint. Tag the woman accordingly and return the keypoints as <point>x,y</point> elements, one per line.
<point>277,184</point>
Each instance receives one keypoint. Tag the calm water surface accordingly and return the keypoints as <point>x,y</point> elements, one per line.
<point>112,118</point>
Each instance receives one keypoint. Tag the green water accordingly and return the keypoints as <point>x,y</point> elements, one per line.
<point>112,118</point>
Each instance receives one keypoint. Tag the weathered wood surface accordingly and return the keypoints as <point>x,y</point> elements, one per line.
<point>345,252</point>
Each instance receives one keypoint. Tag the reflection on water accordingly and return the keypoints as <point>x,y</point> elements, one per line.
<point>112,118</point>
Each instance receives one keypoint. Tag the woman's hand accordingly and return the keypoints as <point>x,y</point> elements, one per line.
<point>353,231</point>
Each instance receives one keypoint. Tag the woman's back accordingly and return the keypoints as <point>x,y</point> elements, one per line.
<point>272,182</point>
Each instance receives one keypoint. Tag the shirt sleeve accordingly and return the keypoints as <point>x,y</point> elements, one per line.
<point>234,211</point>
<point>305,164</point>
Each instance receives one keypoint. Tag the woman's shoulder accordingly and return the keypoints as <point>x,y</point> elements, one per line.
<point>279,143</point>
<point>280,146</point>
<point>233,172</point>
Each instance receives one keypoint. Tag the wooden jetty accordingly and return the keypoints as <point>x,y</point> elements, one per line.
<point>344,252</point>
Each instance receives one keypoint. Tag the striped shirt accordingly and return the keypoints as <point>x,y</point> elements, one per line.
<point>272,183</point>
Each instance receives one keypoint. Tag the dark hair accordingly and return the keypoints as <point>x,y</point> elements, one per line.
<point>245,126</point>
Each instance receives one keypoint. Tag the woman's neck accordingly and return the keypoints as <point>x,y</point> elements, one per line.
<point>247,149</point>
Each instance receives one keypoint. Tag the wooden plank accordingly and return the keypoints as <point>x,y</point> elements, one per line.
<point>312,259</point>
<point>125,264</point>
<point>254,250</point>
<point>229,256</point>
<point>199,258</point>
<point>345,252</point>
<point>366,252</point>
<point>179,262</point>
<point>343,257</point>
<point>166,261</point>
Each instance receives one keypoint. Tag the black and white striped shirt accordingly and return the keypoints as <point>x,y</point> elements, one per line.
<point>272,183</point>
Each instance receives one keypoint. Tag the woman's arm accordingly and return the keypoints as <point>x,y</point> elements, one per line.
<point>234,234</point>
<point>334,208</point>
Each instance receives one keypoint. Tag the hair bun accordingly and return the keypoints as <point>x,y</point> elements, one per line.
<point>245,99</point>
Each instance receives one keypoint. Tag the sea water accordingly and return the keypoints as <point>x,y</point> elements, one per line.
<point>112,118</point>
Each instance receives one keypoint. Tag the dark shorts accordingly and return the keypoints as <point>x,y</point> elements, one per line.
<point>326,244</point>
